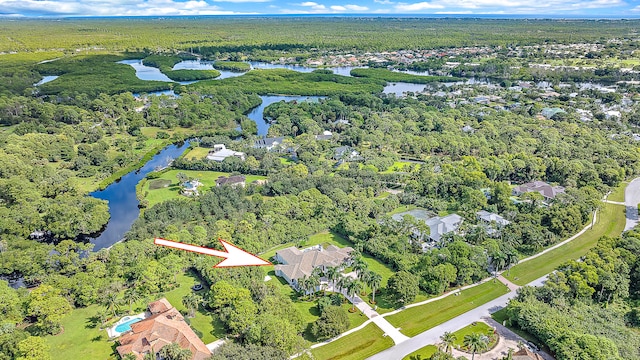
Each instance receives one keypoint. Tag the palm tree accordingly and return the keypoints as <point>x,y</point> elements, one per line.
<point>111,301</point>
<point>191,301</point>
<point>512,259</point>
<point>509,354</point>
<point>313,282</point>
<point>129,356</point>
<point>333,273</point>
<point>174,352</point>
<point>448,339</point>
<point>132,295</point>
<point>374,283</point>
<point>359,265</point>
<point>476,343</point>
<point>364,277</point>
<point>303,284</point>
<point>499,261</point>
<point>343,283</point>
<point>353,288</point>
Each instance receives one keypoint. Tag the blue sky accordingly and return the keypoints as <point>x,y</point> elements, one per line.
<point>540,8</point>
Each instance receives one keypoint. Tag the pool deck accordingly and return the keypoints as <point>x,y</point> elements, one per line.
<point>113,333</point>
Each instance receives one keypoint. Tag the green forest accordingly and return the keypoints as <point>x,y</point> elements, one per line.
<point>455,147</point>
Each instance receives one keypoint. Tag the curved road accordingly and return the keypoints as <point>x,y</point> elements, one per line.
<point>631,200</point>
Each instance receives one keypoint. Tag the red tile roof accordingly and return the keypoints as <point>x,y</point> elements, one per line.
<point>164,327</point>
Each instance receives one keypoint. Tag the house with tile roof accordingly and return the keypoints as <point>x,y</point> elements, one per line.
<point>525,354</point>
<point>547,191</point>
<point>296,264</point>
<point>164,326</point>
<point>235,181</point>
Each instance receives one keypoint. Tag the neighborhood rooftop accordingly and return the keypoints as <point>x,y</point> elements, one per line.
<point>296,263</point>
<point>165,326</point>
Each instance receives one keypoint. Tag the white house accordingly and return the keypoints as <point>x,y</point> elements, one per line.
<point>443,225</point>
<point>220,152</point>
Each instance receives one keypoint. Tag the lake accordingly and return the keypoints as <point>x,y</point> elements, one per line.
<point>121,195</point>
<point>257,114</point>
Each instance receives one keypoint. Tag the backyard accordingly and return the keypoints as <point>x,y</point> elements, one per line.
<point>168,187</point>
<point>82,337</point>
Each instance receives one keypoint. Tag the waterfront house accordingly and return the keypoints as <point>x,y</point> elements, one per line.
<point>220,152</point>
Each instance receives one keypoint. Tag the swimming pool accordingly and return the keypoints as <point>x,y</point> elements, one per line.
<point>126,326</point>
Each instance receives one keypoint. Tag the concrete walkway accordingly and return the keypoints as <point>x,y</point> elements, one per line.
<point>631,200</point>
<point>381,322</point>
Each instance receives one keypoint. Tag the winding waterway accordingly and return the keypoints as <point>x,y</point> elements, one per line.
<point>123,204</point>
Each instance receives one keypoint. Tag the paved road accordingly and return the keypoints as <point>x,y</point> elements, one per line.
<point>432,335</point>
<point>631,200</point>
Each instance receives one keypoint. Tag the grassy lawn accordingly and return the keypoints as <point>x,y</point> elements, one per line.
<point>197,153</point>
<point>402,209</point>
<point>617,194</point>
<point>479,327</point>
<point>424,353</point>
<point>82,337</point>
<point>359,345</point>
<point>204,324</point>
<point>417,319</point>
<point>207,178</point>
<point>611,221</point>
<point>402,166</point>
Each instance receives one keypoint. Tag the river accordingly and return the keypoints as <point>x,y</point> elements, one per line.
<point>123,204</point>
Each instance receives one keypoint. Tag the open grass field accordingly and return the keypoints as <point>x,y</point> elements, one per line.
<point>359,345</point>
<point>417,319</point>
<point>611,221</point>
<point>402,166</point>
<point>422,354</point>
<point>172,191</point>
<point>617,194</point>
<point>82,337</point>
<point>479,327</point>
<point>197,153</point>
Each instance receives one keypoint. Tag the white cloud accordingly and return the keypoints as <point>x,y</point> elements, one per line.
<point>418,6</point>
<point>242,1</point>
<point>111,7</point>
<point>349,7</point>
<point>384,2</point>
<point>313,5</point>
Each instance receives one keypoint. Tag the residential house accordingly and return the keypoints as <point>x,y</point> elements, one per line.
<point>547,191</point>
<point>164,326</point>
<point>269,143</point>
<point>220,152</point>
<point>326,135</point>
<point>296,264</point>
<point>346,153</point>
<point>443,225</point>
<point>525,354</point>
<point>492,222</point>
<point>234,181</point>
